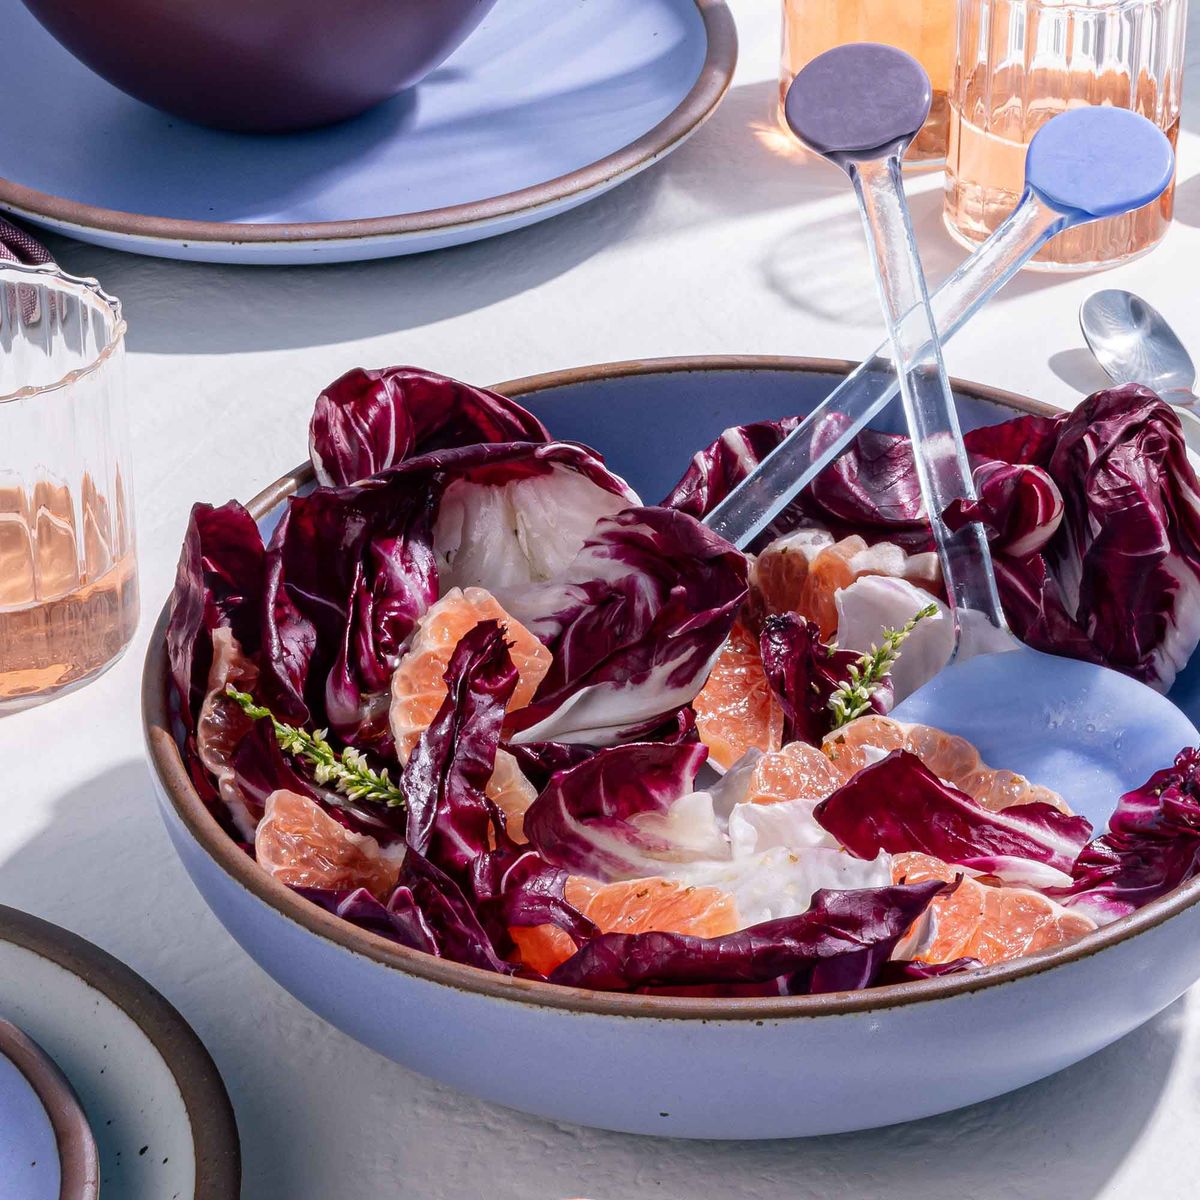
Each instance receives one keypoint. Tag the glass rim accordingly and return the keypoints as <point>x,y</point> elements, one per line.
<point>82,287</point>
<point>1085,6</point>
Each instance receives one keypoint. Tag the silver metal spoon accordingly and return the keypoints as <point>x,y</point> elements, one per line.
<point>1134,344</point>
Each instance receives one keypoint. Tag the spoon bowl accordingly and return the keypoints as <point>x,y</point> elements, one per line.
<point>1065,724</point>
<point>1134,344</point>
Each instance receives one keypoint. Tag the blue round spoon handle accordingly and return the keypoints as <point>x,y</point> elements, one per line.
<point>1098,162</point>
<point>1120,161</point>
<point>859,102</point>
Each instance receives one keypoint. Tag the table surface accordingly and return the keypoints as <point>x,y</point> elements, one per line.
<point>730,246</point>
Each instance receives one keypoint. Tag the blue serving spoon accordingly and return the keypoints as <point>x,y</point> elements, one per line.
<point>1081,166</point>
<point>1086,731</point>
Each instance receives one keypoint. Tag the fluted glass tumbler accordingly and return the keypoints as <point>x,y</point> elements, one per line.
<point>923,28</point>
<point>68,571</point>
<point>1021,62</point>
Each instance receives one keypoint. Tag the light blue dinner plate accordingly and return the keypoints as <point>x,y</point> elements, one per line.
<point>548,104</point>
<point>29,1162</point>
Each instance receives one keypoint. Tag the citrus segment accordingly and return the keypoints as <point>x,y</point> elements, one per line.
<point>797,772</point>
<point>301,845</point>
<point>511,792</point>
<point>948,756</point>
<point>631,906</point>
<point>803,572</point>
<point>736,710</point>
<point>418,687</point>
<point>992,924</point>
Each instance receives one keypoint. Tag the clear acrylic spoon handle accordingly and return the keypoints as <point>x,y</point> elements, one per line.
<point>1081,165</point>
<point>941,458</point>
<point>868,389</point>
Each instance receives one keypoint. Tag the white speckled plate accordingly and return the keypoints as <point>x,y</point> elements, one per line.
<point>161,1118</point>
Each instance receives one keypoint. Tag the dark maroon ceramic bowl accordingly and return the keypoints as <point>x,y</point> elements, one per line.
<point>261,65</point>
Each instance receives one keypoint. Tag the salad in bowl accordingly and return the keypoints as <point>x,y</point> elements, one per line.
<point>475,696</point>
<point>481,755</point>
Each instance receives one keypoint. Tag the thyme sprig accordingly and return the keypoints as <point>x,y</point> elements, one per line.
<point>348,773</point>
<point>853,698</point>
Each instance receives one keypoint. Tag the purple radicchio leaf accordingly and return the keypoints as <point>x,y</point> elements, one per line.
<point>717,469</point>
<point>368,421</point>
<point>450,818</point>
<point>634,627</point>
<point>906,970</point>
<point>898,805</point>
<point>218,584</point>
<point>1020,507</point>
<point>804,673</point>
<point>399,920</point>
<point>449,916</point>
<point>1152,845</point>
<point>608,817</point>
<point>1128,556</point>
<point>513,516</point>
<point>514,886</point>
<point>349,572</point>
<point>862,926</point>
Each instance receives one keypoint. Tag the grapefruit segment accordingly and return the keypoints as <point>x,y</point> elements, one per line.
<point>992,924</point>
<point>301,845</point>
<point>631,906</point>
<point>803,572</point>
<point>736,710</point>
<point>511,792</point>
<point>949,757</point>
<point>418,687</point>
<point>797,772</point>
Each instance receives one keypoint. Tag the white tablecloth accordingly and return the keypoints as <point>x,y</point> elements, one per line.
<point>729,246</point>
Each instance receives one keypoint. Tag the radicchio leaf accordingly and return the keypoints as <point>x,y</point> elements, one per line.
<point>906,970</point>
<point>449,916</point>
<point>607,817</point>
<point>218,584</point>
<point>449,816</point>
<point>400,920</point>
<point>1128,557</point>
<point>1020,507</point>
<point>368,421</point>
<point>1151,847</point>
<point>349,572</point>
<point>803,673</point>
<point>513,516</point>
<point>634,628</point>
<point>514,886</point>
<point>717,469</point>
<point>898,805</point>
<point>860,926</point>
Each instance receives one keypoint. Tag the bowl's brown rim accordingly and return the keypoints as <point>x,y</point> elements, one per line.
<point>201,825</point>
<point>697,106</point>
<point>210,1114</point>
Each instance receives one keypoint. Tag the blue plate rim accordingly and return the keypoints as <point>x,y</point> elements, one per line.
<point>713,81</point>
<point>186,806</point>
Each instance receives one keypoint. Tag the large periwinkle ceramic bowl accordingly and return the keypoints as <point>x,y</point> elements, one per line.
<point>719,1068</point>
<point>261,65</point>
